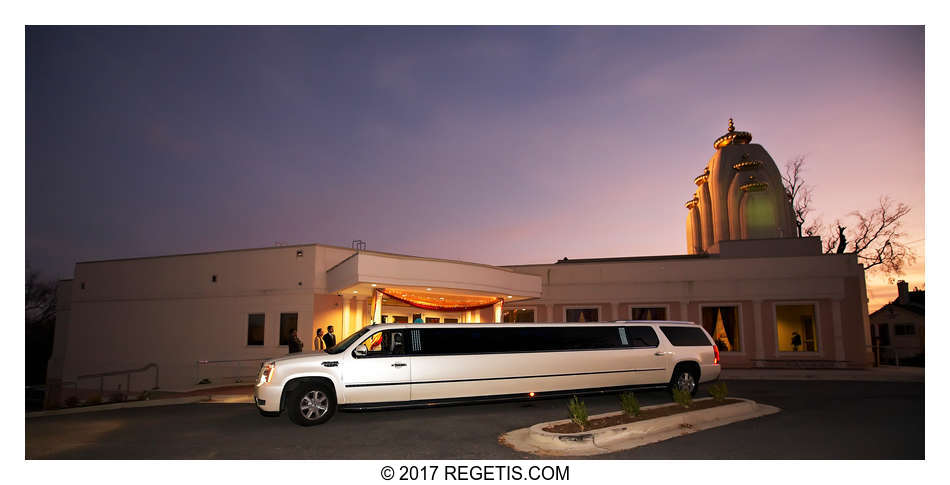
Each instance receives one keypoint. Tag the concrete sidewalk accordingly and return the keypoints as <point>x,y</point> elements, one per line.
<point>876,374</point>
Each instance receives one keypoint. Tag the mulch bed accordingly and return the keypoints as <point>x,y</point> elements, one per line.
<point>622,418</point>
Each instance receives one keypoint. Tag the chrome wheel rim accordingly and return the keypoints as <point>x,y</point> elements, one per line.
<point>686,382</point>
<point>313,405</point>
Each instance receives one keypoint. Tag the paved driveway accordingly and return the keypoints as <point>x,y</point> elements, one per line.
<point>823,420</point>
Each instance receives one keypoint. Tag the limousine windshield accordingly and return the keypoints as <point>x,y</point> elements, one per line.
<point>342,345</point>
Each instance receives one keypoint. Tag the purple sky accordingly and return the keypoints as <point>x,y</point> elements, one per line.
<point>496,145</point>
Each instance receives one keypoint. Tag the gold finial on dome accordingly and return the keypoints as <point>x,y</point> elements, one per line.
<point>732,136</point>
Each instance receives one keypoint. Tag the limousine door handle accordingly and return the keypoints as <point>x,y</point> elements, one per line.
<point>662,353</point>
<point>399,364</point>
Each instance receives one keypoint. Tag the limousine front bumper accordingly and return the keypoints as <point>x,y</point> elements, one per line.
<point>267,398</point>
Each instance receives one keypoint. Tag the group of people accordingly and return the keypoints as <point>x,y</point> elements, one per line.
<point>322,341</point>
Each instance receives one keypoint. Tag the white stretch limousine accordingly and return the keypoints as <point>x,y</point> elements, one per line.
<point>391,365</point>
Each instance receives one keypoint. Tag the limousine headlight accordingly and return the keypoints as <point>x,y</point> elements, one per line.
<point>267,371</point>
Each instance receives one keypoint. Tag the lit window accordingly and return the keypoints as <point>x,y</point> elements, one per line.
<point>518,315</point>
<point>722,322</point>
<point>583,315</point>
<point>796,328</point>
<point>648,313</point>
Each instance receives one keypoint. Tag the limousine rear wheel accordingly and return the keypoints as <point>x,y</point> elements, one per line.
<point>685,379</point>
<point>311,403</point>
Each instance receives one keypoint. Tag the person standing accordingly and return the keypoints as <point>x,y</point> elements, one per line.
<point>318,344</point>
<point>329,339</point>
<point>294,344</point>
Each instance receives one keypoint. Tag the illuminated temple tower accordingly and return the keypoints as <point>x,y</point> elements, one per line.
<point>739,195</point>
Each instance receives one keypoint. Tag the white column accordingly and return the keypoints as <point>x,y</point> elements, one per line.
<point>378,307</point>
<point>497,308</point>
<point>684,312</point>
<point>616,309</point>
<point>345,322</point>
<point>757,327</point>
<point>358,321</point>
<point>550,311</point>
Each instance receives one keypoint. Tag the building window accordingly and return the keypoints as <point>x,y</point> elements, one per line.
<point>518,315</point>
<point>648,313</point>
<point>582,314</point>
<point>255,329</point>
<point>400,319</point>
<point>722,322</point>
<point>432,319</point>
<point>796,328</point>
<point>383,318</point>
<point>416,318</point>
<point>288,322</point>
<point>904,329</point>
<point>451,320</point>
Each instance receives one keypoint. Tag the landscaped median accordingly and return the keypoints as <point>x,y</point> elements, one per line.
<point>651,425</point>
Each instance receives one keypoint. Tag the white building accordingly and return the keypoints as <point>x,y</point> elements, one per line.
<point>767,297</point>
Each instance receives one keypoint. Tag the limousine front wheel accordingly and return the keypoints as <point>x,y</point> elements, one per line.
<point>311,403</point>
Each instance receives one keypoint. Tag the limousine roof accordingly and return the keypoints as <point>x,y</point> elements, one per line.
<point>530,324</point>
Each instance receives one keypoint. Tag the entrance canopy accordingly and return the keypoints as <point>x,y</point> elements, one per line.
<point>436,283</point>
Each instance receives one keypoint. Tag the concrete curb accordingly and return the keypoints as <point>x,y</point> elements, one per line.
<point>119,405</point>
<point>631,435</point>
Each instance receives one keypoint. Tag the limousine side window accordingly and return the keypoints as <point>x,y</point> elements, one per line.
<point>457,341</point>
<point>385,343</point>
<point>642,337</point>
<point>686,336</point>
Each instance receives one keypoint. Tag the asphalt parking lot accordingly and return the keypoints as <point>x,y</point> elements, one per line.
<point>819,420</point>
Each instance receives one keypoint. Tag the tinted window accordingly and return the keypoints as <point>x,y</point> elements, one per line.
<point>685,336</point>
<point>642,337</point>
<point>442,341</point>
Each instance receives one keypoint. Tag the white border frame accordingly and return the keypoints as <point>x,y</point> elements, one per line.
<point>739,322</point>
<point>815,305</point>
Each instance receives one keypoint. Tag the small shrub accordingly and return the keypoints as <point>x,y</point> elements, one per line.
<point>117,397</point>
<point>629,404</point>
<point>204,381</point>
<point>94,399</point>
<point>71,402</point>
<point>718,391</point>
<point>144,396</point>
<point>578,411</point>
<point>683,398</point>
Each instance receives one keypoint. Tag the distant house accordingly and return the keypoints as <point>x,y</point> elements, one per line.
<point>898,327</point>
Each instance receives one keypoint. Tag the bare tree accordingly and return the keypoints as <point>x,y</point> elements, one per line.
<point>876,236</point>
<point>798,193</point>
<point>40,298</point>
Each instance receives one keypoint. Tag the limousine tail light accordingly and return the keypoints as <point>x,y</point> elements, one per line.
<point>716,350</point>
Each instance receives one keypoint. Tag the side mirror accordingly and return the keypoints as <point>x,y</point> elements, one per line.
<point>360,351</point>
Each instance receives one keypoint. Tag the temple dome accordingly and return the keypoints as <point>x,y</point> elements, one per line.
<point>732,137</point>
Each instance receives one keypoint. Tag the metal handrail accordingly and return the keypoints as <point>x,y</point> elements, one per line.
<point>199,363</point>
<point>128,376</point>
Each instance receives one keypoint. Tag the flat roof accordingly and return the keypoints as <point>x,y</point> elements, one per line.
<point>291,246</point>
